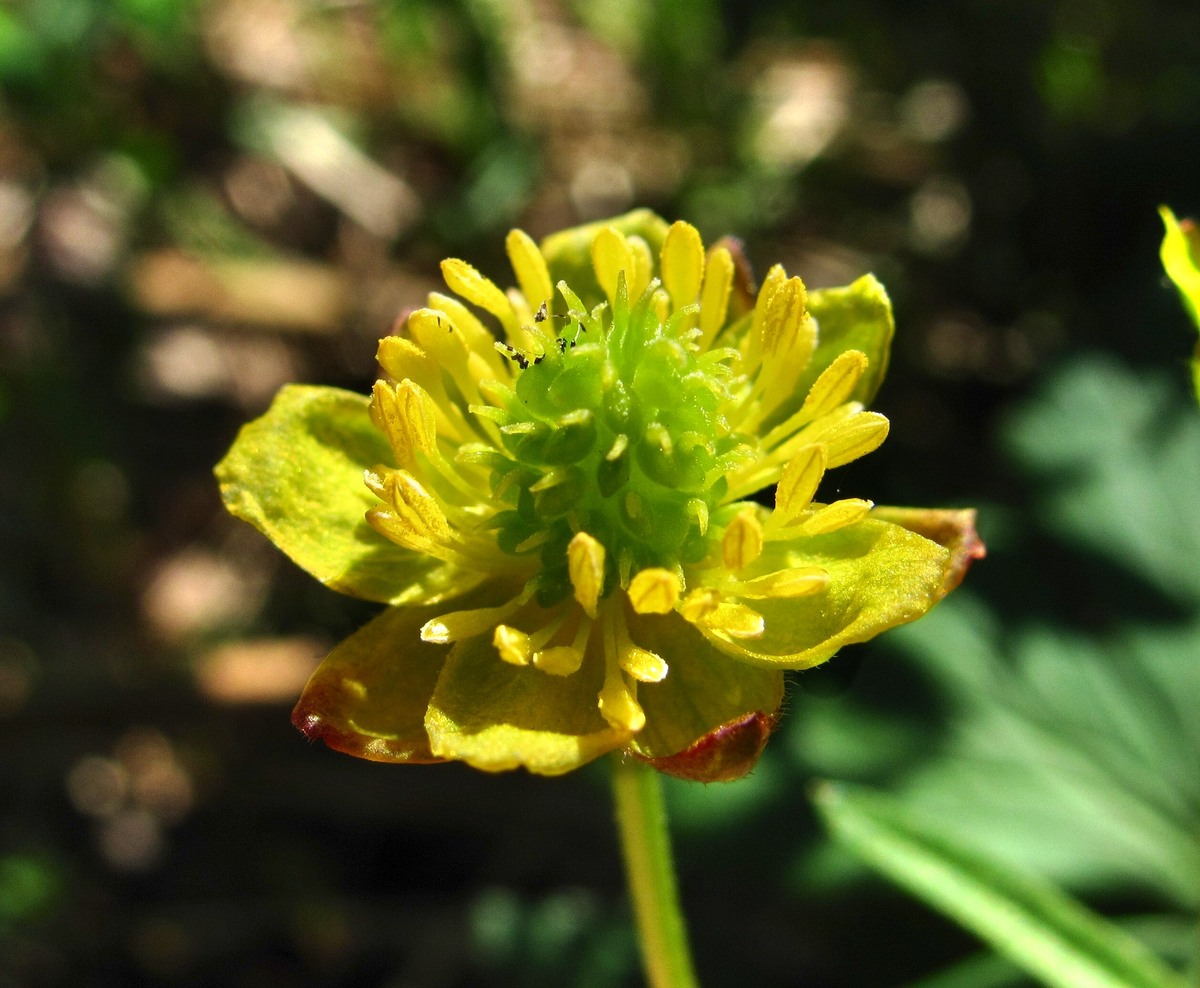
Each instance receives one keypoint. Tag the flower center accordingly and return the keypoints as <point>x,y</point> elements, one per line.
<point>616,428</point>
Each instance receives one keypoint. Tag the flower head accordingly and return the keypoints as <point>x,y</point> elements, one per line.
<point>558,506</point>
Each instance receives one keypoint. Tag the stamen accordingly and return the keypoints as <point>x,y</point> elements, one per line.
<point>565,660</point>
<point>512,644</point>
<point>801,581</point>
<point>642,664</point>
<point>477,335</point>
<point>858,437</point>
<point>837,515</point>
<point>798,484</point>
<point>617,698</point>
<point>585,566</point>
<point>654,591</point>
<point>611,255</point>
<point>682,263</point>
<point>742,542</point>
<point>464,280</point>
<point>530,268</point>
<point>735,620</point>
<point>714,295</point>
<point>458,625</point>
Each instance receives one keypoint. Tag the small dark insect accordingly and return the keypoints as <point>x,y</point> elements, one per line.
<point>541,313</point>
<point>520,357</point>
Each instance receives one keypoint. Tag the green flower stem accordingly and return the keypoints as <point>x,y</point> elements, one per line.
<point>646,845</point>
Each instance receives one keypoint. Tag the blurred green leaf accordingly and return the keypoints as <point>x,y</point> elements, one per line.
<point>1072,759</point>
<point>1030,921</point>
<point>1121,459</point>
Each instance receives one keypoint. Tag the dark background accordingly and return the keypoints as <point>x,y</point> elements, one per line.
<point>200,201</point>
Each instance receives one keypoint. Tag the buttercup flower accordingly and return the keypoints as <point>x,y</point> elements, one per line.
<point>1180,253</point>
<point>552,486</point>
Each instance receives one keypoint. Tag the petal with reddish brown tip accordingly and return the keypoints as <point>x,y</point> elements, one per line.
<point>953,529</point>
<point>368,698</point>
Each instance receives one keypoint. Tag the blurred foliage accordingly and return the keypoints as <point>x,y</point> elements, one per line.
<point>203,199</point>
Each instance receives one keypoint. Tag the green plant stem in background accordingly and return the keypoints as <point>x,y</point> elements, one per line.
<point>646,847</point>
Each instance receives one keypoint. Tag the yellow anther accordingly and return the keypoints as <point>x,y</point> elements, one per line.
<point>618,705</point>
<point>800,480</point>
<point>643,266</point>
<point>836,384</point>
<point>682,263</point>
<point>400,358</point>
<point>479,338</point>
<point>733,619</point>
<point>585,566</point>
<point>714,295</point>
<point>802,581</point>
<point>464,280</point>
<point>418,415</point>
<point>642,664</point>
<point>416,507</point>
<point>456,626</point>
<point>856,437</point>
<point>559,660</point>
<point>654,591</point>
<point>787,330</point>
<point>611,255</point>
<point>512,644</point>
<point>698,604</point>
<point>435,333</point>
<point>771,284</point>
<point>530,268</point>
<point>387,419</point>
<point>837,515</point>
<point>743,540</point>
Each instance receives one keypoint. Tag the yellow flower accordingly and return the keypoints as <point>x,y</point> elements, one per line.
<point>557,507</point>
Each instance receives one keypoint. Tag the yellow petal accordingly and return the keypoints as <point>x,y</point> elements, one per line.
<point>682,263</point>
<point>880,575</point>
<point>368,697</point>
<point>699,701</point>
<point>496,716</point>
<point>585,565</point>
